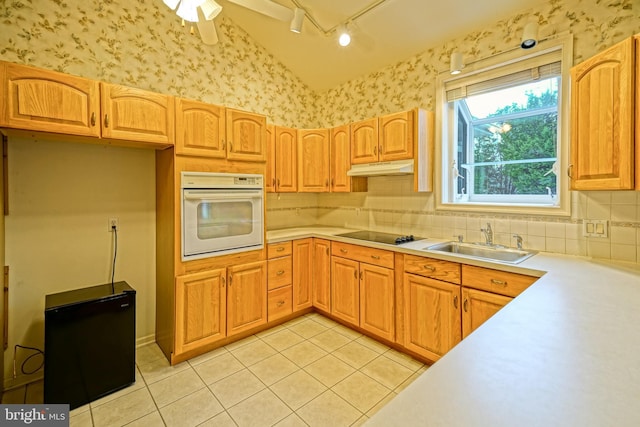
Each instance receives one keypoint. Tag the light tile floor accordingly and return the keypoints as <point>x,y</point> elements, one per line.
<point>310,371</point>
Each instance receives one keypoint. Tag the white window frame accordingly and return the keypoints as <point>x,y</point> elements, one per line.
<point>496,65</point>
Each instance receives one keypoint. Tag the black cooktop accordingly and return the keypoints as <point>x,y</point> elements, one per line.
<point>378,237</point>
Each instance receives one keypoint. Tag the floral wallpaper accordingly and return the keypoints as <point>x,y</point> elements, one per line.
<point>595,24</point>
<point>142,44</point>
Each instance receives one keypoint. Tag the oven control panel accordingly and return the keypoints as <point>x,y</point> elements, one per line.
<point>248,180</point>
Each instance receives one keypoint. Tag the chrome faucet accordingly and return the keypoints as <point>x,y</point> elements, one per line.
<point>488,234</point>
<point>518,241</point>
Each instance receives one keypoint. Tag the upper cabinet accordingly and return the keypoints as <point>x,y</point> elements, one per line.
<point>246,136</point>
<point>396,136</point>
<point>340,162</point>
<point>286,141</point>
<point>364,141</point>
<point>200,129</point>
<point>603,151</point>
<point>313,160</point>
<point>136,115</point>
<point>270,170</point>
<point>48,101</point>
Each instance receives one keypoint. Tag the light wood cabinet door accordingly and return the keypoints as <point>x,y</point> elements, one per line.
<point>313,160</point>
<point>302,273</point>
<point>200,309</point>
<point>246,296</point>
<point>478,306</point>
<point>137,115</point>
<point>602,120</point>
<point>377,300</point>
<point>432,321</point>
<point>321,262</point>
<point>364,141</point>
<point>199,129</point>
<point>340,163</point>
<point>246,136</point>
<point>48,101</point>
<point>286,160</point>
<point>279,303</point>
<point>396,138</point>
<point>270,171</point>
<point>345,290</point>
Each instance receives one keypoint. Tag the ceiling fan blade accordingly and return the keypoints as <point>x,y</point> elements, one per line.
<point>267,7</point>
<point>207,29</point>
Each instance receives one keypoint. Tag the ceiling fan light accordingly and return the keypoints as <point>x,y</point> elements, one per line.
<point>298,19</point>
<point>344,38</point>
<point>207,29</point>
<point>172,4</point>
<point>210,9</point>
<point>188,10</point>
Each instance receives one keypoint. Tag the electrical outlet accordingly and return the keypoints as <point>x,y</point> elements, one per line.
<point>595,228</point>
<point>113,222</point>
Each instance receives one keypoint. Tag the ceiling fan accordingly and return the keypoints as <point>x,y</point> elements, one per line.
<point>202,12</point>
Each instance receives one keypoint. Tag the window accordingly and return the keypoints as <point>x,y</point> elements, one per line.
<point>504,136</point>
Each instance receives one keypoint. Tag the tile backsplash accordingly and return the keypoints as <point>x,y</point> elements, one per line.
<point>392,206</point>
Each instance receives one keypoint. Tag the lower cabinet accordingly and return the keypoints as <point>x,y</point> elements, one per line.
<point>302,273</point>
<point>377,289</point>
<point>478,306</point>
<point>321,271</point>
<point>200,309</point>
<point>431,316</point>
<point>246,296</point>
<point>345,290</point>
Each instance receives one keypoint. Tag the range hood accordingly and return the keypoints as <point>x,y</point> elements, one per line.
<point>396,167</point>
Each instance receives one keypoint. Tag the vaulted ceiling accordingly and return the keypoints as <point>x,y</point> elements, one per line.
<point>390,32</point>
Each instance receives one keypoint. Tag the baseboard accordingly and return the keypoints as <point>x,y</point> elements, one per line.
<point>149,339</point>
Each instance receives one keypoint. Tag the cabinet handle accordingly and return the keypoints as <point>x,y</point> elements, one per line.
<point>455,301</point>
<point>280,272</point>
<point>380,149</point>
<point>344,251</point>
<point>280,303</point>
<point>106,120</point>
<point>273,182</point>
<point>93,118</point>
<point>326,183</point>
<point>428,267</point>
<point>223,281</point>
<point>465,305</point>
<point>499,282</point>
<point>375,150</point>
<point>375,257</point>
<point>230,280</point>
<point>355,274</point>
<point>361,275</point>
<point>278,182</point>
<point>280,249</point>
<point>570,171</point>
<point>224,145</point>
<point>332,182</point>
<point>327,250</point>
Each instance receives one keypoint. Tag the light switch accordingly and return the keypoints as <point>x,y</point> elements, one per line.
<point>589,227</point>
<point>595,228</point>
<point>599,228</point>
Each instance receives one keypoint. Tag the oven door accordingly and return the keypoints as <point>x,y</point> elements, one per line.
<point>220,222</point>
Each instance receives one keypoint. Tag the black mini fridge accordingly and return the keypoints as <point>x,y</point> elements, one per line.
<point>89,343</point>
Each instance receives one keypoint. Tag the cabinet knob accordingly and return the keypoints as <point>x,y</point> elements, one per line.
<point>93,118</point>
<point>375,257</point>
<point>343,250</point>
<point>499,282</point>
<point>428,267</point>
<point>106,120</point>
<point>280,272</point>
<point>280,303</point>
<point>280,249</point>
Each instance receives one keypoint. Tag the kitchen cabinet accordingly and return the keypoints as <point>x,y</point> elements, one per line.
<point>432,316</point>
<point>340,163</point>
<point>432,322</point>
<point>246,296</point>
<point>605,152</point>
<point>321,268</point>
<point>363,288</point>
<point>270,169</point>
<point>246,135</point>
<point>200,309</point>
<point>48,101</point>
<point>279,280</point>
<point>495,281</point>
<point>313,160</point>
<point>478,307</point>
<point>200,129</point>
<point>302,273</point>
<point>364,141</point>
<point>396,136</point>
<point>136,115</point>
<point>285,154</point>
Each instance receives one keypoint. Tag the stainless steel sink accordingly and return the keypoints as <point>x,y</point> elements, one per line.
<point>480,251</point>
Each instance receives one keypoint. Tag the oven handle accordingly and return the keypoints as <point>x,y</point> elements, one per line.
<point>223,196</point>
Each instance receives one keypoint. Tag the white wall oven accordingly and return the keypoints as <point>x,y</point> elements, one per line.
<point>222,213</point>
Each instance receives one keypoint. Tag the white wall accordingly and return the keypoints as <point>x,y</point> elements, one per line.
<point>60,198</point>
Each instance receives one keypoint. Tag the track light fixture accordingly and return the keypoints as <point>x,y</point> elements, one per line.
<point>530,35</point>
<point>298,19</point>
<point>456,65</point>
<point>344,38</point>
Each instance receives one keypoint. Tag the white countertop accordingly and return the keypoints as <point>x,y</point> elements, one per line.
<point>566,352</point>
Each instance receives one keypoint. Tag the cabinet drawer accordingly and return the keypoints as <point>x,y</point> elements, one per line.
<point>363,254</point>
<point>498,282</point>
<point>279,272</point>
<point>275,250</point>
<point>434,268</point>
<point>278,303</point>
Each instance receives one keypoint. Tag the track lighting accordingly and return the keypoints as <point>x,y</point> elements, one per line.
<point>530,35</point>
<point>296,22</point>
<point>456,65</point>
<point>344,38</point>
